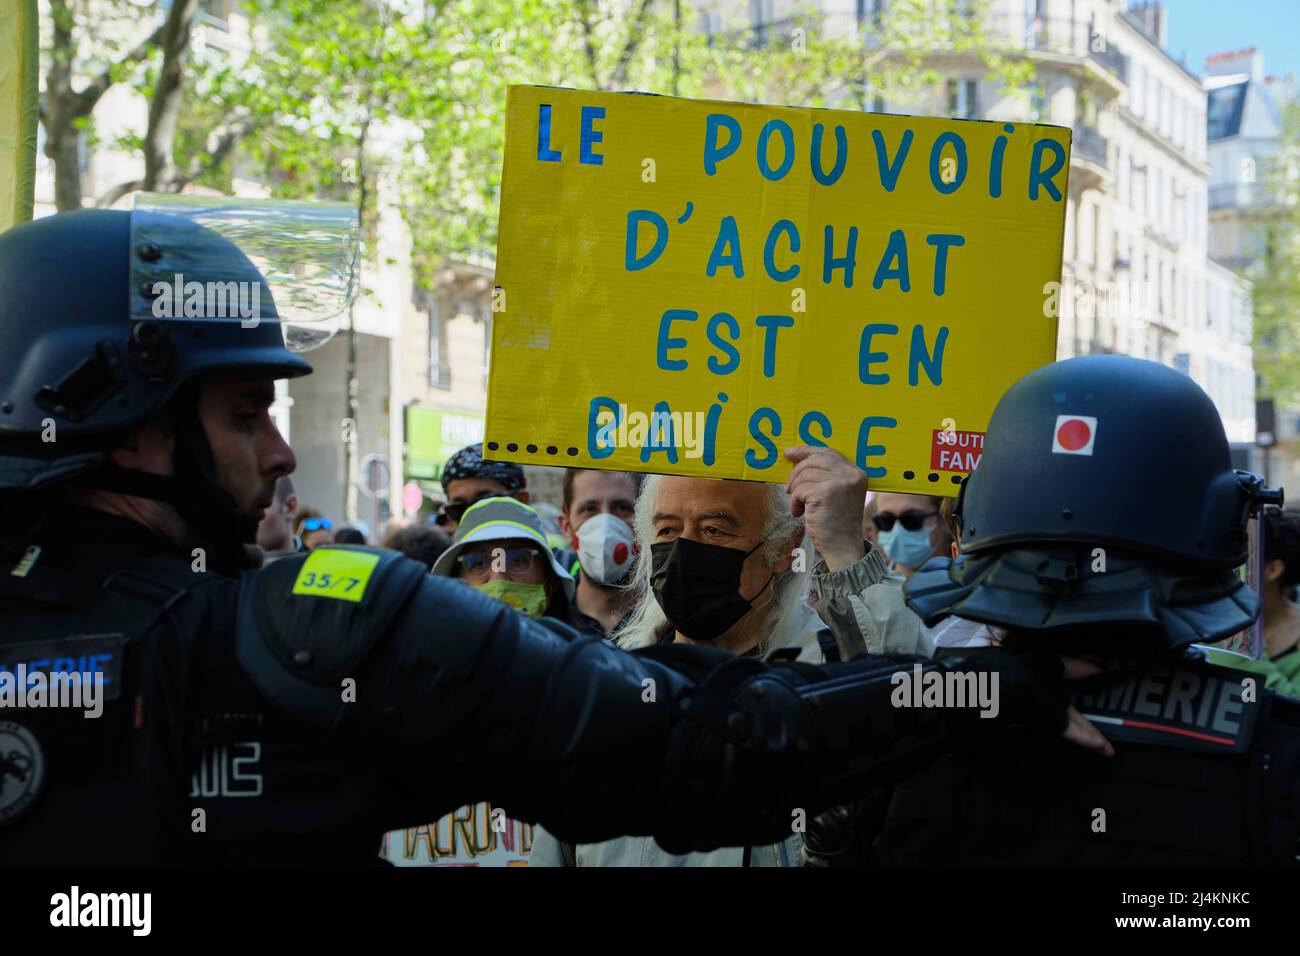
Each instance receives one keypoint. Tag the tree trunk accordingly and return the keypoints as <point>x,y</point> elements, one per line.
<point>164,107</point>
<point>57,112</point>
<point>61,108</point>
<point>62,147</point>
<point>350,384</point>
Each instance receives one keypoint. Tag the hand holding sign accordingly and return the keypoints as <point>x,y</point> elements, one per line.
<point>828,491</point>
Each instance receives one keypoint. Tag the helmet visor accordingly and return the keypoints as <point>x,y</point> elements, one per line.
<point>253,261</point>
<point>1248,643</point>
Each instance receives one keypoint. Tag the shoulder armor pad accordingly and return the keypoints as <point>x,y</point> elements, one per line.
<point>306,622</point>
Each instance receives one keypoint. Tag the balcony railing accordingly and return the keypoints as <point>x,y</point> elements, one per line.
<point>1063,36</point>
<point>1241,195</point>
<point>1089,144</point>
<point>1109,58</point>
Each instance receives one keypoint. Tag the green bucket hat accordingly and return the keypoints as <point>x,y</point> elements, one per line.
<point>496,519</point>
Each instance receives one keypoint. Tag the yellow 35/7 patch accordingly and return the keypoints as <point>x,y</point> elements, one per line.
<point>335,573</point>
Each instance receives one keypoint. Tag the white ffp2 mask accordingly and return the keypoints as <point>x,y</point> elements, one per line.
<point>605,548</point>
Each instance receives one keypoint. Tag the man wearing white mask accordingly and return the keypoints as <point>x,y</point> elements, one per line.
<point>597,519</point>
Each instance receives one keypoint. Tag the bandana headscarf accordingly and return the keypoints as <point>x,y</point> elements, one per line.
<point>469,463</point>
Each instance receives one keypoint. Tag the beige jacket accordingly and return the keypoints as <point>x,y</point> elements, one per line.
<point>864,608</point>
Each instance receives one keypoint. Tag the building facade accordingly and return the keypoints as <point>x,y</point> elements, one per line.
<point>1136,274</point>
<point>1245,107</point>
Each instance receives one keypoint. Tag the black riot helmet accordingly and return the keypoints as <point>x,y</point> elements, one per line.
<point>86,354</point>
<point>1105,495</point>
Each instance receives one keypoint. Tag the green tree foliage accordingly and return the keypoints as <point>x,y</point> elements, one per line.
<point>326,98</point>
<point>1277,272</point>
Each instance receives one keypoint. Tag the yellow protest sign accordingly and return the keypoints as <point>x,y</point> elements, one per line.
<point>690,287</point>
<point>18,110</point>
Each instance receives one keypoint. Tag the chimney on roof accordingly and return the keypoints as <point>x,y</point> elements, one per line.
<point>1151,20</point>
<point>1249,61</point>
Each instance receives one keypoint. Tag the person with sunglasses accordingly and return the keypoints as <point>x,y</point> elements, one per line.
<point>908,530</point>
<point>500,550</point>
<point>314,529</point>
<point>467,478</point>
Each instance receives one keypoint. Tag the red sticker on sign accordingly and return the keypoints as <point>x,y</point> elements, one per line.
<point>952,450</point>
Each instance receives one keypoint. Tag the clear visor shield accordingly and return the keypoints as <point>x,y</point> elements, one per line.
<point>1249,641</point>
<point>212,259</point>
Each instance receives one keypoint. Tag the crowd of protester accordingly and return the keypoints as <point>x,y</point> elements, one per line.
<point>813,571</point>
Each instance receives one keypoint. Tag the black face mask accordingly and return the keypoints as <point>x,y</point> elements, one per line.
<point>698,586</point>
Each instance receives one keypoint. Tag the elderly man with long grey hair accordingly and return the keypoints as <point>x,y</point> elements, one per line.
<point>730,563</point>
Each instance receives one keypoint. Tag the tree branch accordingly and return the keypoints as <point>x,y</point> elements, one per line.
<point>84,102</point>
<point>219,145</point>
<point>634,37</point>
<point>117,192</point>
<point>164,105</point>
<point>589,40</point>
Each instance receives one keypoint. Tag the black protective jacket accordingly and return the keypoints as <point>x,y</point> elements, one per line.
<point>1206,771</point>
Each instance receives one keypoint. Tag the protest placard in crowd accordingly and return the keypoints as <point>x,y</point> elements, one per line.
<point>688,287</point>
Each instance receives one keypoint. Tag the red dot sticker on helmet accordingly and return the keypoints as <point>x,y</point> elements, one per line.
<point>620,553</point>
<point>1074,435</point>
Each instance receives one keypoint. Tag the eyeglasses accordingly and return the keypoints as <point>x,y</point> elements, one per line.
<point>478,565</point>
<point>317,524</point>
<point>912,521</point>
<point>455,510</point>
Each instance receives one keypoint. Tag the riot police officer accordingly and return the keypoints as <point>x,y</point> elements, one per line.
<point>296,712</point>
<point>1105,520</point>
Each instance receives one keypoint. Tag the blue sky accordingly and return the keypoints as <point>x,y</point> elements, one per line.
<point>1200,27</point>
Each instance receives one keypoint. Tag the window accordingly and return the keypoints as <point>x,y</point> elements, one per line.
<point>439,352</point>
<point>963,99</point>
<point>760,15</point>
<point>1038,103</point>
<point>215,13</point>
<point>1035,23</point>
<point>1179,299</point>
<point>870,13</point>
